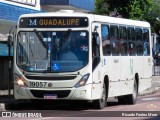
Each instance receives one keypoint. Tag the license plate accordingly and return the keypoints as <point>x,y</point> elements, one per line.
<point>50,96</point>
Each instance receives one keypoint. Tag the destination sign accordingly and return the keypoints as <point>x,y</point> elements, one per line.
<point>53,22</point>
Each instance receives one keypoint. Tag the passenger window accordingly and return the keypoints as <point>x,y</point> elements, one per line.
<point>105,40</point>
<point>146,45</point>
<point>139,42</point>
<point>123,40</point>
<point>115,43</point>
<point>131,41</point>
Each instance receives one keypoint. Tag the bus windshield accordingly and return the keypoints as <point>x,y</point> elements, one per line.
<point>52,51</point>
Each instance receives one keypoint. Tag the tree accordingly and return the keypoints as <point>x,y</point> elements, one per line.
<point>132,9</point>
<point>146,10</point>
<point>156,28</point>
<point>101,7</point>
<point>152,16</point>
<point>121,7</point>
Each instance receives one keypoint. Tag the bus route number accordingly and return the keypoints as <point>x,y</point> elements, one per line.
<point>38,84</point>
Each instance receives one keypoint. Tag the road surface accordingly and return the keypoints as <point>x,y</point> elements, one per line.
<point>147,108</point>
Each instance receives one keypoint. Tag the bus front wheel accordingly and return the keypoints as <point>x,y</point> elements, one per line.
<point>101,103</point>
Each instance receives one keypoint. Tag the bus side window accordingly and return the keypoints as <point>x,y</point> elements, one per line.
<point>139,42</point>
<point>131,41</point>
<point>114,40</point>
<point>106,43</point>
<point>123,40</point>
<point>146,45</point>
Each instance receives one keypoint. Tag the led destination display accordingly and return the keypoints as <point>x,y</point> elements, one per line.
<point>53,22</point>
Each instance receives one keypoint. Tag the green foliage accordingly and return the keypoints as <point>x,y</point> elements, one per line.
<point>156,27</point>
<point>122,7</point>
<point>101,7</point>
<point>140,8</point>
<point>146,10</point>
<point>152,15</point>
<point>132,9</point>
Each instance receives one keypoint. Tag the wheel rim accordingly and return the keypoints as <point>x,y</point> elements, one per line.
<point>103,99</point>
<point>135,92</point>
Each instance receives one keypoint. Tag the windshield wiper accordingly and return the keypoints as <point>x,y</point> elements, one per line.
<point>40,39</point>
<point>43,43</point>
<point>66,35</point>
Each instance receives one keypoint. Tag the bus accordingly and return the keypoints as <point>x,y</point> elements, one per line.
<point>68,55</point>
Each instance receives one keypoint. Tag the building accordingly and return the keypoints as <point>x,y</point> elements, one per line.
<point>10,10</point>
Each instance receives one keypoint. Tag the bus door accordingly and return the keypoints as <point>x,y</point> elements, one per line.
<point>96,61</point>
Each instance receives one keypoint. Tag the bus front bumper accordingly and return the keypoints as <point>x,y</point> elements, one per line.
<point>80,93</point>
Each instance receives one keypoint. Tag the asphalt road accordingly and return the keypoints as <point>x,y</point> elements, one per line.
<point>147,108</point>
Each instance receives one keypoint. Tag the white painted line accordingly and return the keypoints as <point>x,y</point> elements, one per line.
<point>121,107</point>
<point>156,81</point>
<point>44,118</point>
<point>150,98</point>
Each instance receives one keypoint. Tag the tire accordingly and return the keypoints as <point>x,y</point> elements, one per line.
<point>101,103</point>
<point>132,99</point>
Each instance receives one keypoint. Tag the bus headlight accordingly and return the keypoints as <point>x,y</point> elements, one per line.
<point>82,81</point>
<point>19,81</point>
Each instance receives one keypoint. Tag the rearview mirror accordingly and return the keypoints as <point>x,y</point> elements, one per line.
<point>96,38</point>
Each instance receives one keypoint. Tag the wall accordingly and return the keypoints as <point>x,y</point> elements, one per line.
<point>4,73</point>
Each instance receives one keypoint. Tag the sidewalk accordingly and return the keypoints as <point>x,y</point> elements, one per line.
<point>5,99</point>
<point>154,88</point>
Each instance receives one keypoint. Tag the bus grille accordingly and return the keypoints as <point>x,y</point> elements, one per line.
<point>59,93</point>
<point>50,78</point>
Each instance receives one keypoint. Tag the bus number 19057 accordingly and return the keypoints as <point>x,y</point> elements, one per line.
<point>38,84</point>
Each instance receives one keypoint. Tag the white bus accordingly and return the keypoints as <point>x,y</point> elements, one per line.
<point>78,56</point>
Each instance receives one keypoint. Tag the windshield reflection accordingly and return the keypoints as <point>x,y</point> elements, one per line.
<point>57,51</point>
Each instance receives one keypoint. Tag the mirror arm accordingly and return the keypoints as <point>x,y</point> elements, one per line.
<point>10,40</point>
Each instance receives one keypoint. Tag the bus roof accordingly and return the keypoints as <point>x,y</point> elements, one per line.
<point>122,21</point>
<point>92,18</point>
